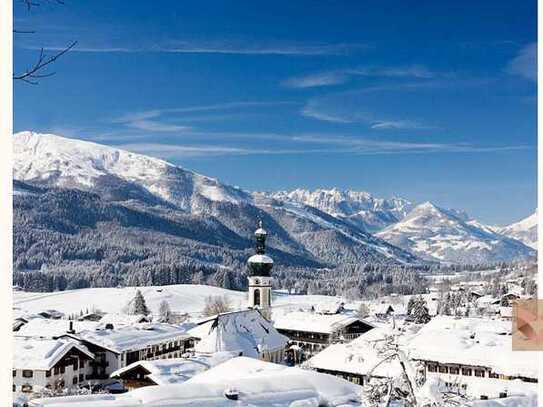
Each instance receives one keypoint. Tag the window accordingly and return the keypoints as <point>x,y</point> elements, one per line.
<point>479,373</point>
<point>14,388</point>
<point>466,371</point>
<point>57,370</point>
<point>453,370</point>
<point>74,380</point>
<point>493,375</point>
<point>28,373</point>
<point>443,369</point>
<point>47,373</point>
<point>62,369</point>
<point>432,368</point>
<point>14,373</point>
<point>26,388</point>
<point>257,297</point>
<point>81,363</point>
<point>80,377</point>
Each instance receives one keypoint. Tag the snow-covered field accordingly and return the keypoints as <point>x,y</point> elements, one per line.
<point>183,298</point>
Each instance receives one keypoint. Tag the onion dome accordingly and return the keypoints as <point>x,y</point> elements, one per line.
<point>260,264</point>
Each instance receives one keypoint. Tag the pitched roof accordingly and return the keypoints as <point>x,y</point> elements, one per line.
<point>360,356</point>
<point>42,354</point>
<point>246,332</point>
<point>314,322</point>
<point>133,337</point>
<point>53,327</point>
<point>472,341</point>
<point>177,370</point>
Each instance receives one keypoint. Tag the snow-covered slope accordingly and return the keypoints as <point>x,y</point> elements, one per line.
<point>524,230</point>
<point>444,235</point>
<point>57,161</point>
<point>357,207</point>
<point>116,198</point>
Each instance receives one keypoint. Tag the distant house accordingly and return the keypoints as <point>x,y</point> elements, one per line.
<point>117,348</point>
<point>91,316</point>
<point>245,332</point>
<point>167,371</point>
<point>473,354</point>
<point>41,364</point>
<point>18,323</point>
<point>507,299</point>
<point>383,310</point>
<point>51,314</point>
<point>313,332</point>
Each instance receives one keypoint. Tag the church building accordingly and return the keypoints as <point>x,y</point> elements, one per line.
<point>259,275</point>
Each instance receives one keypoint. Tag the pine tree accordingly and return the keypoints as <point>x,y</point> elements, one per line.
<point>410,305</point>
<point>420,311</point>
<point>138,306</point>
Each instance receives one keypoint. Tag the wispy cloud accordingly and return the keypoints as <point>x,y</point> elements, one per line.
<point>314,144</point>
<point>525,63</point>
<point>400,124</point>
<point>372,146</point>
<point>340,76</point>
<point>316,109</point>
<point>155,119</point>
<point>220,47</point>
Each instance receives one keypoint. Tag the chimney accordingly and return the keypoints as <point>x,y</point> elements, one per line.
<point>71,327</point>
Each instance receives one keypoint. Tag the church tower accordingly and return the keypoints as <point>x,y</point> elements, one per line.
<point>260,280</point>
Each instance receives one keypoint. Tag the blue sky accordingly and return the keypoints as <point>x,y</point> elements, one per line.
<point>428,100</point>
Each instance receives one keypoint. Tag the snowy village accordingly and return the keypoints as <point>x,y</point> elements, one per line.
<point>202,345</point>
<point>277,203</point>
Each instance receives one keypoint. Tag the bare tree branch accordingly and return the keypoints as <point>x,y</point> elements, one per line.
<point>35,72</point>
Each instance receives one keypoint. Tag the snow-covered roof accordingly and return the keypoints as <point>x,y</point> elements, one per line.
<point>472,341</point>
<point>486,300</point>
<point>258,383</point>
<point>42,354</point>
<point>260,258</point>
<point>313,321</point>
<point>133,337</point>
<point>119,319</point>
<point>244,331</point>
<point>177,370</point>
<point>383,308</point>
<point>54,327</point>
<point>360,356</point>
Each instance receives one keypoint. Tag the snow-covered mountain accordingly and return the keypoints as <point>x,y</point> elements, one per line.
<point>524,230</point>
<point>356,207</point>
<point>450,236</point>
<point>47,159</point>
<point>88,200</point>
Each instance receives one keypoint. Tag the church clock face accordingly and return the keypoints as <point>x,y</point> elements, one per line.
<point>257,281</point>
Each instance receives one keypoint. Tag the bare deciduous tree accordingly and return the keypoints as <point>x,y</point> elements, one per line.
<point>37,70</point>
<point>216,305</point>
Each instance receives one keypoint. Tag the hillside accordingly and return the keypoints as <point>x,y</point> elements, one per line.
<point>95,215</point>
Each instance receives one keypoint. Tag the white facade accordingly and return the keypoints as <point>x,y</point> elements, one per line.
<point>260,295</point>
